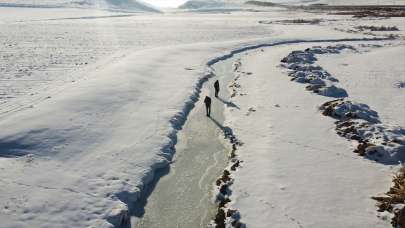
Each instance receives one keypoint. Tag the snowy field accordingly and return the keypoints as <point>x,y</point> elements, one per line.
<point>92,102</point>
<point>320,181</point>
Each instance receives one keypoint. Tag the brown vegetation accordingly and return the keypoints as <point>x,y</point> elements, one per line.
<point>360,10</point>
<point>394,200</point>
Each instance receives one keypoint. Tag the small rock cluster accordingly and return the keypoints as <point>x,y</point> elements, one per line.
<point>225,215</point>
<point>302,68</point>
<point>234,86</point>
<point>377,28</point>
<point>342,109</point>
<point>294,21</point>
<point>359,123</point>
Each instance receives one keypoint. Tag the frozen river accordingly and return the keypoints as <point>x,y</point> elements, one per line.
<point>183,197</point>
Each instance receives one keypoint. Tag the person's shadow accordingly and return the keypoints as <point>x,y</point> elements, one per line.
<point>228,103</point>
<point>226,130</point>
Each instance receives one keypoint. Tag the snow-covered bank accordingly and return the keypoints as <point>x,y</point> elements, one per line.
<point>299,180</point>
<point>356,121</point>
<point>182,197</point>
<point>84,137</point>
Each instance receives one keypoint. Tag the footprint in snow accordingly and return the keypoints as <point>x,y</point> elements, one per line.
<point>250,110</point>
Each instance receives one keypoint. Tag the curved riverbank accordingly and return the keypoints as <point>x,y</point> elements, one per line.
<point>183,196</point>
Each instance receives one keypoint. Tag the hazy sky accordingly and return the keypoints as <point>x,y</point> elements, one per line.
<point>165,3</point>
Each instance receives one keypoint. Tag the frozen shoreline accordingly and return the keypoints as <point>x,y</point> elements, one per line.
<point>183,196</point>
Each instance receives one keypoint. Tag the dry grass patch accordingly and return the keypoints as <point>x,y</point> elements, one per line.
<point>394,200</point>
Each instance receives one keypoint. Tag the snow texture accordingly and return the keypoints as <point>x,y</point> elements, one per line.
<point>77,151</point>
<point>90,109</point>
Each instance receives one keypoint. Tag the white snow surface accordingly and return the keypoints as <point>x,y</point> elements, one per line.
<point>373,78</point>
<point>90,108</point>
<point>296,171</point>
<point>93,134</point>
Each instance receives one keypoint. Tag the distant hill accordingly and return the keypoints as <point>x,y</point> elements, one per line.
<point>204,4</point>
<point>261,3</point>
<point>130,5</point>
<point>200,4</point>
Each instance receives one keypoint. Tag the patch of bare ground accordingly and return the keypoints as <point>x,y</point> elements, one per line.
<point>394,200</point>
<point>294,21</point>
<point>377,31</point>
<point>360,10</point>
<point>374,13</point>
<point>377,28</point>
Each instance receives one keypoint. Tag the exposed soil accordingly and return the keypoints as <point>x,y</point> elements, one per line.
<point>360,10</point>
<point>394,200</point>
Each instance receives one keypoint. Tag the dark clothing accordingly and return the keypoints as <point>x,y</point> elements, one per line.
<point>216,86</point>
<point>207,102</point>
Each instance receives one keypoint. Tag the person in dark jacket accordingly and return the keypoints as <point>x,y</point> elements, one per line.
<point>207,102</point>
<point>216,86</point>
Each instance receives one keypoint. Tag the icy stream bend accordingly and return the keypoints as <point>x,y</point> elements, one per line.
<point>182,195</point>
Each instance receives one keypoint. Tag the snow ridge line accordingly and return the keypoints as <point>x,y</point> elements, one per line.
<point>121,217</point>
<point>285,42</point>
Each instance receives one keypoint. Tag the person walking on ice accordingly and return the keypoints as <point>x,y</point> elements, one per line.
<point>207,102</point>
<point>216,87</point>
